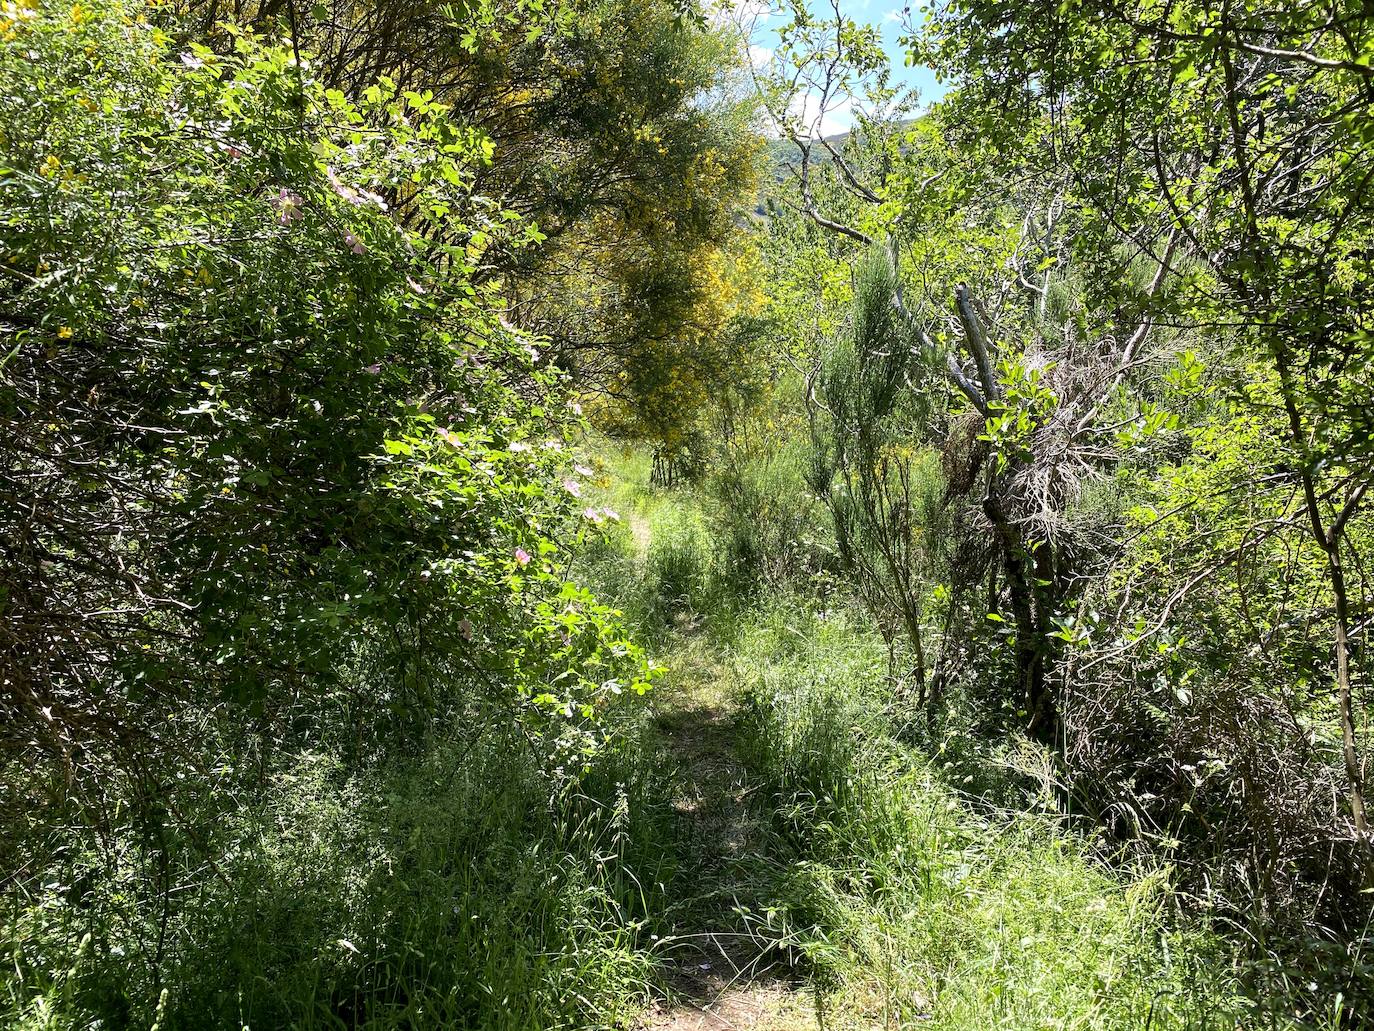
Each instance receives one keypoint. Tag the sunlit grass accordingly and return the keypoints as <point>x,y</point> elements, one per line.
<point>911,904</point>
<point>917,907</point>
<point>461,889</point>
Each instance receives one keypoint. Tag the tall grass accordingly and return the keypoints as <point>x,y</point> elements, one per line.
<point>474,885</point>
<point>658,561</point>
<point>464,888</point>
<point>921,908</point>
<point>914,902</point>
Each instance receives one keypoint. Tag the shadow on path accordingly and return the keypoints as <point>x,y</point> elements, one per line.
<point>728,969</point>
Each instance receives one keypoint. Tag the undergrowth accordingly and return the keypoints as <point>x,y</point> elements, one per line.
<point>911,901</point>
<point>473,886</point>
<point>465,888</point>
<point>916,904</point>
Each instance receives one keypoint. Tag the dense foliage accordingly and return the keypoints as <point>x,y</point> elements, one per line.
<point>280,480</point>
<point>260,429</point>
<point>1131,521</point>
<point>378,383</point>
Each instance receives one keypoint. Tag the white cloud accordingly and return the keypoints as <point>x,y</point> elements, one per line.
<point>811,122</point>
<point>760,56</point>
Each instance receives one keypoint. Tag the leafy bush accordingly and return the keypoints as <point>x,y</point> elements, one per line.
<point>282,509</point>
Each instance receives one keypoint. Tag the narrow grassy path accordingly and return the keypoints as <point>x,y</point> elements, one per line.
<point>830,874</point>
<point>727,970</point>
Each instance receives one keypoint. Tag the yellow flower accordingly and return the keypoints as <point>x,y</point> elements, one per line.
<point>64,333</point>
<point>50,166</point>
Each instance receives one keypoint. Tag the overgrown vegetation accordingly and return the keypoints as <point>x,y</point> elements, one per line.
<point>458,568</point>
<point>908,885</point>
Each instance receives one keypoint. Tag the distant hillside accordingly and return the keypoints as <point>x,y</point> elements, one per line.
<point>783,158</point>
<point>782,152</point>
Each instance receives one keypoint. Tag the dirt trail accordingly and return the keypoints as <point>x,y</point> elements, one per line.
<point>727,972</point>
<point>639,532</point>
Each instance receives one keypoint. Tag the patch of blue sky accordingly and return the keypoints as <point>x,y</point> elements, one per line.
<point>765,19</point>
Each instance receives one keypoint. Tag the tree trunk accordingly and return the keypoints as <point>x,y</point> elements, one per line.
<point>1029,618</point>
<point>1354,775</point>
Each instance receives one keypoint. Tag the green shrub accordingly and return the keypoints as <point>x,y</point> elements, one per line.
<point>290,665</point>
